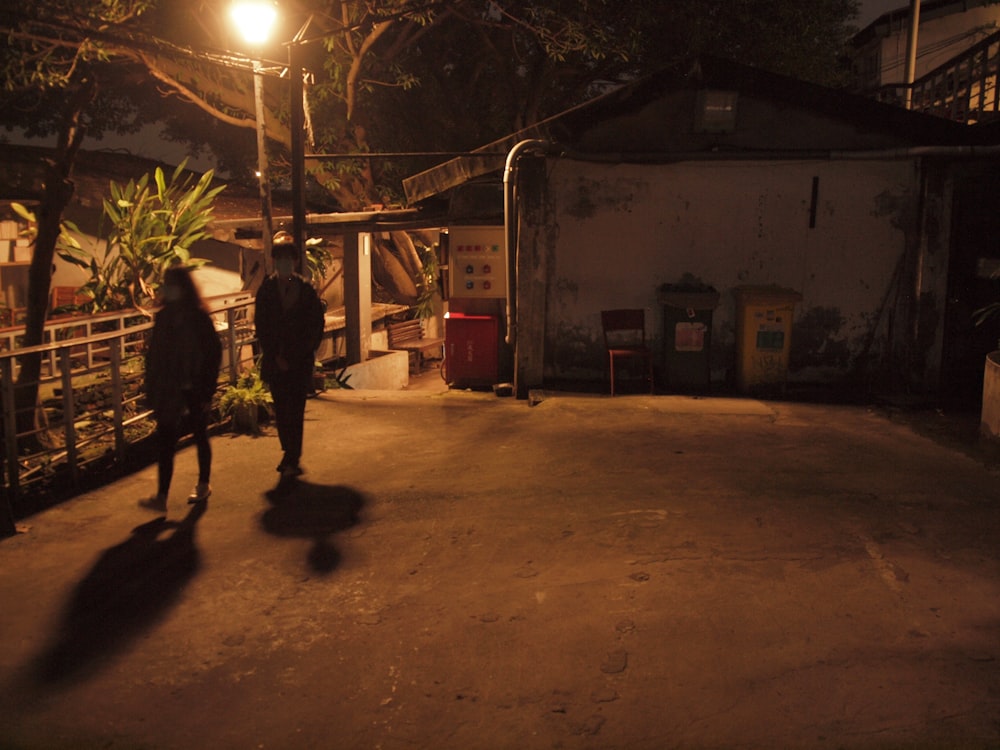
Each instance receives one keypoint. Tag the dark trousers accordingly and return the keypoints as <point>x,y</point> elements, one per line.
<point>170,428</point>
<point>289,416</point>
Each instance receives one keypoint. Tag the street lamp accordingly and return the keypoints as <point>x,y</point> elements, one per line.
<point>255,19</point>
<point>297,122</point>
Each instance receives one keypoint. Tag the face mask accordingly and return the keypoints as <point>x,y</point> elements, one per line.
<point>284,266</point>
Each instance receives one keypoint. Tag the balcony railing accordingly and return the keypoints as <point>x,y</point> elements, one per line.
<point>964,89</point>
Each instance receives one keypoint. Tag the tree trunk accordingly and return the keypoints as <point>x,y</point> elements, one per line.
<point>389,272</point>
<point>58,191</point>
<point>408,254</point>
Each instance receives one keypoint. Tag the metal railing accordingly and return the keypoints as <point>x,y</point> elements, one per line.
<point>963,89</point>
<point>91,402</point>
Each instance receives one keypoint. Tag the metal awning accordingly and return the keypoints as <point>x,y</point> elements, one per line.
<point>247,230</point>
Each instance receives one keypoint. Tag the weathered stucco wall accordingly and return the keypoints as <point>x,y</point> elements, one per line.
<point>617,232</point>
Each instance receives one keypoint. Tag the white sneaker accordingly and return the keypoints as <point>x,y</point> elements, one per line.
<point>200,493</point>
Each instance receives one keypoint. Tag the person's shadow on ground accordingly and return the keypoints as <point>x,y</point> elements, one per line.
<point>312,511</point>
<point>130,587</point>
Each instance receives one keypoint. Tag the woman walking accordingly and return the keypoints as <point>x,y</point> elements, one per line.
<point>182,372</point>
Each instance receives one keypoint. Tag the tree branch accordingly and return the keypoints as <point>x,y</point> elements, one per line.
<point>351,85</point>
<point>275,129</point>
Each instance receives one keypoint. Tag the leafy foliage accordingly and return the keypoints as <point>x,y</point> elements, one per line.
<point>394,75</point>
<point>428,288</point>
<point>318,260</point>
<point>153,224</point>
<point>387,75</point>
<point>247,402</point>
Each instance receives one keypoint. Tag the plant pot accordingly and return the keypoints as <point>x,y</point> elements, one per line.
<point>246,418</point>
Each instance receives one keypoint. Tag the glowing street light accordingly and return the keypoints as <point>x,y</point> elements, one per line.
<point>255,20</point>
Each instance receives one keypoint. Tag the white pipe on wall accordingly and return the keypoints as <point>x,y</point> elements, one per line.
<point>530,145</point>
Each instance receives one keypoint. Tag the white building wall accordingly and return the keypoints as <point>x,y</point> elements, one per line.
<point>623,230</point>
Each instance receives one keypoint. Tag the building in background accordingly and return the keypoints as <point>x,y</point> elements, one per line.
<point>958,54</point>
<point>882,221</point>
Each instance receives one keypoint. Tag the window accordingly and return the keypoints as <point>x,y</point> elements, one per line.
<point>715,111</point>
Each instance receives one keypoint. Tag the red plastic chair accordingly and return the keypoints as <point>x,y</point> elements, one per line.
<point>625,339</point>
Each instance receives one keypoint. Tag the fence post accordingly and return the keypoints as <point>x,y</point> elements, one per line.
<point>117,397</point>
<point>10,445</point>
<point>231,327</point>
<point>69,412</point>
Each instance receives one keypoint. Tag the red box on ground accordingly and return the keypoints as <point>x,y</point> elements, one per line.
<point>470,343</point>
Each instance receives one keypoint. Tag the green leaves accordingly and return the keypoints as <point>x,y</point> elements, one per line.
<point>154,223</point>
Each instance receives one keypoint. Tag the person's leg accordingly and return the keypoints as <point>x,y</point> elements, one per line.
<point>166,441</point>
<point>199,430</point>
<point>166,432</point>
<point>279,393</point>
<point>295,425</point>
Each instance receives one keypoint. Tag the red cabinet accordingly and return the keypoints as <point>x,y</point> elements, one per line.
<point>470,343</point>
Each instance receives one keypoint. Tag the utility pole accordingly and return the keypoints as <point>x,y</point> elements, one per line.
<point>911,50</point>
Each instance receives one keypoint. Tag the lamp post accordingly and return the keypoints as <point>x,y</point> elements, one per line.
<point>297,122</point>
<point>254,19</point>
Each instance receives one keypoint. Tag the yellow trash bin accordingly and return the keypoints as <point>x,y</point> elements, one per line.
<point>764,317</point>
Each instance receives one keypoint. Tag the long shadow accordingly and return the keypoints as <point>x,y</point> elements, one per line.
<point>131,586</point>
<point>312,511</point>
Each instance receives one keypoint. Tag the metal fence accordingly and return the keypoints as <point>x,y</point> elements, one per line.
<point>91,405</point>
<point>963,89</point>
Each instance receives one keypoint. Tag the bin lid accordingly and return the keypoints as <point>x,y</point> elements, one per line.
<point>684,296</point>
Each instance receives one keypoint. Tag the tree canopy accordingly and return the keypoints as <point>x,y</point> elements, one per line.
<point>386,75</point>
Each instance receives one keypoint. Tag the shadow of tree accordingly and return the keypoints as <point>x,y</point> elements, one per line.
<point>311,511</point>
<point>129,588</point>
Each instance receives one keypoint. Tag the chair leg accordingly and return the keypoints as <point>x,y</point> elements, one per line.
<point>611,369</point>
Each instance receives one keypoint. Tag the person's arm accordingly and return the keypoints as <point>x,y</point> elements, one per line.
<point>318,319</point>
<point>153,366</point>
<point>212,356</point>
<point>264,319</point>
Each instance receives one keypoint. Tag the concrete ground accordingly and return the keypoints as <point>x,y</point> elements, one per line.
<point>457,570</point>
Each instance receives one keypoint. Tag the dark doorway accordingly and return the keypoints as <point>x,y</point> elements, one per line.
<point>973,282</point>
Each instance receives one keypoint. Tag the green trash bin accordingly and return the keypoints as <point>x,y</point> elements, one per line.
<point>687,335</point>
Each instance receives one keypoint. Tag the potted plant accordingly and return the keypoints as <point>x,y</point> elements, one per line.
<point>246,403</point>
<point>319,377</point>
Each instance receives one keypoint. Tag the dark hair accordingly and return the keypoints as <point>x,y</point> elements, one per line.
<point>180,276</point>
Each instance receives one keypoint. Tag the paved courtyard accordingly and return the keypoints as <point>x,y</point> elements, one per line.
<point>457,570</point>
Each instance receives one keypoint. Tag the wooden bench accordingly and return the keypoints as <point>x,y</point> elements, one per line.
<point>409,336</point>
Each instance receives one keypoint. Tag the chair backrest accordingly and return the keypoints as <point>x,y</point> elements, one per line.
<point>624,327</point>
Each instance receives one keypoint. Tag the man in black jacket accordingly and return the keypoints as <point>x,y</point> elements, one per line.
<point>288,315</point>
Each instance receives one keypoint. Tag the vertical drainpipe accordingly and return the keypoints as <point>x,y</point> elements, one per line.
<point>911,51</point>
<point>533,145</point>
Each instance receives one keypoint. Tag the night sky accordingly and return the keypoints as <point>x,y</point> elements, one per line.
<point>872,9</point>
